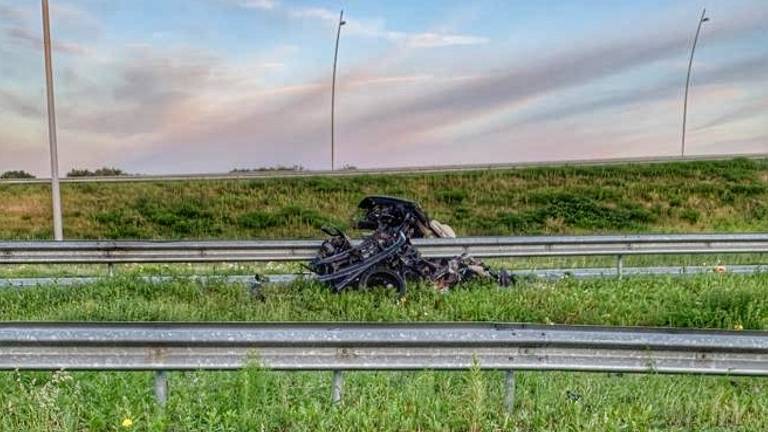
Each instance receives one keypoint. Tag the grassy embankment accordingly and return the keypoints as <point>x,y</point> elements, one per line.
<point>670,197</point>
<point>705,196</point>
<point>262,400</point>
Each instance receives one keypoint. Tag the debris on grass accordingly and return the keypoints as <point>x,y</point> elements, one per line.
<point>386,257</point>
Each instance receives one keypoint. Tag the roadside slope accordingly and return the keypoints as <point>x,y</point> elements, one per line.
<point>669,197</point>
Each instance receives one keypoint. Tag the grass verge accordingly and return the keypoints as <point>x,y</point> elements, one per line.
<point>670,197</point>
<point>255,399</point>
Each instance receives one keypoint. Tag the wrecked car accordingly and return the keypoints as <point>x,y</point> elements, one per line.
<point>386,257</point>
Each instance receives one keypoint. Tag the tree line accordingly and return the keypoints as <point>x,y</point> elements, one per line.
<point>116,172</point>
<point>76,172</point>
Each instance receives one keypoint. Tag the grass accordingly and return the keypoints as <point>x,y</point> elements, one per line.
<point>256,399</point>
<point>670,197</point>
<point>717,301</point>
<point>673,197</point>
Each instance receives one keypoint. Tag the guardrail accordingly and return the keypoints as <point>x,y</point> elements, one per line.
<point>344,346</point>
<point>266,174</point>
<point>250,279</point>
<point>110,252</point>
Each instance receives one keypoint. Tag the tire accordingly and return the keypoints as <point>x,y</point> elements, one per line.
<point>383,277</point>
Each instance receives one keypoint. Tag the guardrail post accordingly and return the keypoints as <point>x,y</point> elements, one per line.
<point>161,387</point>
<point>337,387</point>
<point>620,266</point>
<point>111,269</point>
<point>509,391</point>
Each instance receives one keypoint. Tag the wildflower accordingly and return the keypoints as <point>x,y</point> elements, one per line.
<point>738,326</point>
<point>127,422</point>
<point>720,269</point>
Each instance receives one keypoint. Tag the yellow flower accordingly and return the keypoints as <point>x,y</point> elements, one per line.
<point>738,327</point>
<point>127,422</point>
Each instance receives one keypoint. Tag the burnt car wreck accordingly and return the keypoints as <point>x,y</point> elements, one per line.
<point>386,257</point>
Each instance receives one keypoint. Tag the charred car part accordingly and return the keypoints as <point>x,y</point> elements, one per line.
<point>387,258</point>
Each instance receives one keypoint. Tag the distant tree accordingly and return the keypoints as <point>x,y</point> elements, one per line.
<point>109,172</point>
<point>101,172</point>
<point>75,172</point>
<point>262,169</point>
<point>16,174</point>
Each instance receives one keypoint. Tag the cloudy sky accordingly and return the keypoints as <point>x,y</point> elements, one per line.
<point>176,86</point>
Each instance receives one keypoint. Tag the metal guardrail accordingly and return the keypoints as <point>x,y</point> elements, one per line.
<point>105,252</point>
<point>256,175</point>
<point>345,346</point>
<point>547,273</point>
<point>334,346</point>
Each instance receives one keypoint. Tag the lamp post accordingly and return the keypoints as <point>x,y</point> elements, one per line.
<point>702,20</point>
<point>333,91</point>
<point>55,190</point>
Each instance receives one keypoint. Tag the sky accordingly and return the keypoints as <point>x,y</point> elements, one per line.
<point>194,86</point>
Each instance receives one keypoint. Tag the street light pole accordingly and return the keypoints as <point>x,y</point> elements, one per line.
<point>333,91</point>
<point>58,233</point>
<point>702,20</point>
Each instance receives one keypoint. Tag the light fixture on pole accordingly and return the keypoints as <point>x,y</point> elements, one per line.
<point>702,20</point>
<point>333,91</point>
<point>58,233</point>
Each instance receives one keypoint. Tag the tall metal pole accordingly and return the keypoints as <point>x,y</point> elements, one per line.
<point>688,78</point>
<point>333,91</point>
<point>58,233</point>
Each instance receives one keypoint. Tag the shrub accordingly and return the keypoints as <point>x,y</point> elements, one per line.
<point>263,169</point>
<point>583,212</point>
<point>690,215</point>
<point>329,184</point>
<point>286,216</point>
<point>574,211</point>
<point>294,214</point>
<point>452,196</point>
<point>257,220</point>
<point>185,216</point>
<point>101,172</point>
<point>118,224</point>
<point>16,174</point>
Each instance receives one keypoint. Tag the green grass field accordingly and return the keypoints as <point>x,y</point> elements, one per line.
<point>670,197</point>
<point>261,400</point>
<point>674,197</point>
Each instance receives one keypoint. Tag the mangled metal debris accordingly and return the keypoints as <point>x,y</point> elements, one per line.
<point>386,256</point>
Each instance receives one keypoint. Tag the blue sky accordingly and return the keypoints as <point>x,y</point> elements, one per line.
<point>210,85</point>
